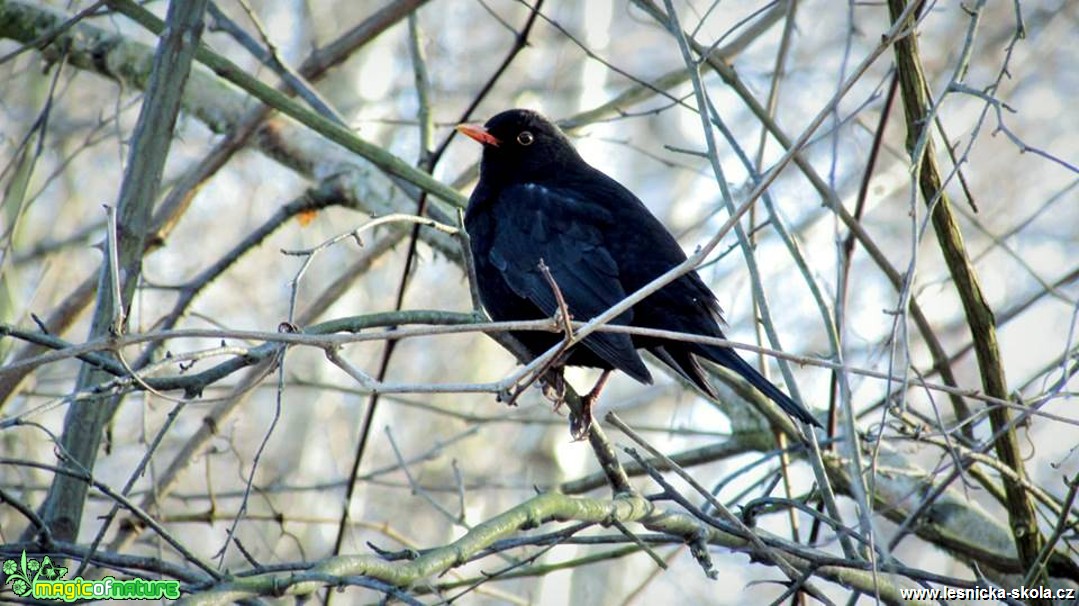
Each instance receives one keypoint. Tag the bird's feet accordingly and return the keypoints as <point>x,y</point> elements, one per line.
<point>553,385</point>
<point>581,423</point>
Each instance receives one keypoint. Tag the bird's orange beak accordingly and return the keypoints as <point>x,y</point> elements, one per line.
<point>478,133</point>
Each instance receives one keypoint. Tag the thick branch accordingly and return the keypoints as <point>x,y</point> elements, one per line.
<point>86,419</point>
<point>913,86</point>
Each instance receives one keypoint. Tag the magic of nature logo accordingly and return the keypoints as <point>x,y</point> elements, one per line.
<point>44,580</point>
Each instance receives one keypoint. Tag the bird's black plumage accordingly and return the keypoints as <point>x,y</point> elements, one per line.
<point>538,199</point>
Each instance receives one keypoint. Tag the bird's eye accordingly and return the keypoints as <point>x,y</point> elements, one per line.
<point>525,138</point>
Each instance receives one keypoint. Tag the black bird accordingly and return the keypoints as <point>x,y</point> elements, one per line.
<point>538,200</point>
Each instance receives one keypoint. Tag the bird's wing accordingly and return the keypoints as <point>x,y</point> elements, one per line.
<point>538,223</point>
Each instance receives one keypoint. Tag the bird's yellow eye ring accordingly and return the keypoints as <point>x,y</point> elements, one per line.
<point>525,138</point>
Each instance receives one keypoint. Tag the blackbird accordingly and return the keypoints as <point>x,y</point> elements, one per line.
<point>538,201</point>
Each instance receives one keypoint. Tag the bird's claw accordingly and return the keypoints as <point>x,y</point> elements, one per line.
<point>580,425</point>
<point>553,385</point>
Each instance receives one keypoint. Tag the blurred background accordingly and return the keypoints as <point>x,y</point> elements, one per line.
<point>437,464</point>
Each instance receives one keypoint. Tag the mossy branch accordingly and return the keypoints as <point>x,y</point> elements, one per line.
<point>917,105</point>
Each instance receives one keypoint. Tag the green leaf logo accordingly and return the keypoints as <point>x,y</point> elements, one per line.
<point>22,573</point>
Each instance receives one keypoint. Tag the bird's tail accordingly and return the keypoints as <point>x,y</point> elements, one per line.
<point>728,358</point>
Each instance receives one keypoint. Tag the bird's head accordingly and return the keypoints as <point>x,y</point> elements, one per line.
<point>521,145</point>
